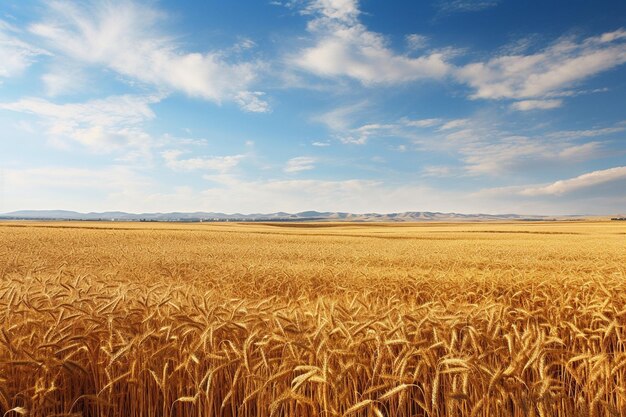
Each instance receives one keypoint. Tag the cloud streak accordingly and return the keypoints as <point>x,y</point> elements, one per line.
<point>481,146</point>
<point>221,164</point>
<point>125,37</point>
<point>105,125</point>
<point>526,105</point>
<point>544,74</point>
<point>299,164</point>
<point>584,181</point>
<point>15,54</point>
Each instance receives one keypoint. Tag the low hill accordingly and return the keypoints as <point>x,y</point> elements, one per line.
<point>409,216</point>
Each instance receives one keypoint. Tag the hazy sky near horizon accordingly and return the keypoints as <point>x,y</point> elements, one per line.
<point>493,106</point>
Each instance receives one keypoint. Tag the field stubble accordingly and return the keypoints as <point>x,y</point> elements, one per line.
<point>127,319</point>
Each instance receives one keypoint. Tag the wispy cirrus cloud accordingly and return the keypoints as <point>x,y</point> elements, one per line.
<point>221,164</point>
<point>602,185</point>
<point>519,154</point>
<point>423,123</point>
<point>581,182</point>
<point>362,134</point>
<point>300,163</point>
<point>438,171</point>
<point>526,105</point>
<point>103,125</point>
<point>63,79</point>
<point>486,147</point>
<point>539,79</point>
<point>125,37</point>
<point>345,123</point>
<point>589,133</point>
<point>15,54</point>
<point>341,117</point>
<point>481,146</point>
<point>454,124</point>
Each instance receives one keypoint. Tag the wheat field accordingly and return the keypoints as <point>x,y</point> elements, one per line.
<point>334,319</point>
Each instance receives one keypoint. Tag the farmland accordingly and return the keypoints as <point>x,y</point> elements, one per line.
<point>329,319</point>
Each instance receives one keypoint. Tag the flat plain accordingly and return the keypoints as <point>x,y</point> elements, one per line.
<point>313,319</point>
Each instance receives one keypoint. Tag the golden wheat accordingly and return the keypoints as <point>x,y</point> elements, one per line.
<point>105,319</point>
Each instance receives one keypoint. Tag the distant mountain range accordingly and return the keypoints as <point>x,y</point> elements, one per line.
<point>409,216</point>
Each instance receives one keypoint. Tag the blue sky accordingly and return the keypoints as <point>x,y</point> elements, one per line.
<point>493,106</point>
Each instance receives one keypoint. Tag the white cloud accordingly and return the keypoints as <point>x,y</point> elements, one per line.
<point>518,154</point>
<point>341,118</point>
<point>251,101</point>
<point>244,44</point>
<point>437,171</point>
<point>110,124</point>
<point>215,163</point>
<point>588,133</point>
<point>343,122</point>
<point>300,163</point>
<point>320,144</point>
<point>168,139</point>
<point>580,152</point>
<point>344,47</point>
<point>15,54</point>
<point>422,122</point>
<point>125,37</point>
<point>341,10</point>
<point>584,181</point>
<point>360,135</point>
<point>483,147</point>
<point>480,144</point>
<point>64,79</point>
<point>519,45</point>
<point>526,105</point>
<point>416,42</point>
<point>486,150</point>
<point>546,73</point>
<point>454,124</point>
